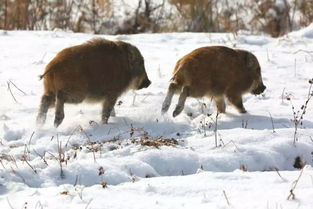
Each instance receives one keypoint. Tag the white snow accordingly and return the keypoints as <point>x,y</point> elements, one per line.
<point>192,174</point>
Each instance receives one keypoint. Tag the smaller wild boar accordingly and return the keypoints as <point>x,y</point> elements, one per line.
<point>96,71</point>
<point>216,72</point>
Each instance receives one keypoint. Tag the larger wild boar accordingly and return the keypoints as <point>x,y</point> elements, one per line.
<point>96,71</point>
<point>216,72</point>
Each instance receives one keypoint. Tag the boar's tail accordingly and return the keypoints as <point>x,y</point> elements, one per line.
<point>176,78</point>
<point>41,76</point>
<point>49,68</point>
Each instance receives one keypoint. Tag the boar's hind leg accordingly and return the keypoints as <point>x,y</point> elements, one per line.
<point>107,109</point>
<point>168,99</point>
<point>236,100</point>
<point>220,104</point>
<point>181,101</point>
<point>59,109</point>
<point>46,102</point>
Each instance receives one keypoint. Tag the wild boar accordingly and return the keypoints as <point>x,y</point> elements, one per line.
<point>96,71</point>
<point>216,72</point>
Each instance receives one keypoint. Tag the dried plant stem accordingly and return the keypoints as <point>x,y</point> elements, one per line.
<point>298,116</point>
<point>75,129</point>
<point>41,156</point>
<point>282,96</point>
<point>226,198</point>
<point>38,204</point>
<point>292,195</point>
<point>61,157</point>
<point>231,141</point>
<point>273,128</point>
<point>302,50</point>
<point>277,171</point>
<point>30,139</point>
<point>76,180</point>
<point>92,149</point>
<point>295,67</point>
<point>9,203</point>
<point>88,203</point>
<point>17,87</point>
<point>35,171</point>
<point>215,129</point>
<point>134,98</point>
<point>9,88</point>
<point>267,54</point>
<point>17,174</point>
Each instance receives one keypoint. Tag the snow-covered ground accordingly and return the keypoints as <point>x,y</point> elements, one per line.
<point>85,165</point>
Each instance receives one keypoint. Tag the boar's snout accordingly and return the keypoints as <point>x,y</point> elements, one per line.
<point>259,89</point>
<point>145,83</point>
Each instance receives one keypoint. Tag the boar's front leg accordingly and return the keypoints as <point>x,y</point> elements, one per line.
<point>220,104</point>
<point>107,108</point>
<point>46,102</point>
<point>59,108</point>
<point>236,100</point>
<point>181,101</point>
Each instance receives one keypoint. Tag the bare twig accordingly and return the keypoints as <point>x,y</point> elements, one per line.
<point>295,67</point>
<point>282,96</point>
<point>302,50</point>
<point>226,197</point>
<point>92,149</point>
<point>277,171</point>
<point>81,129</point>
<point>232,142</point>
<point>35,171</point>
<point>88,203</point>
<point>38,204</point>
<point>10,205</point>
<point>2,164</point>
<point>134,98</point>
<point>273,128</point>
<point>41,156</point>
<point>215,129</point>
<point>30,139</point>
<point>298,115</point>
<point>61,157</point>
<point>75,129</point>
<point>9,88</point>
<point>268,56</point>
<point>295,183</point>
<point>76,180</point>
<point>17,87</point>
<point>19,175</point>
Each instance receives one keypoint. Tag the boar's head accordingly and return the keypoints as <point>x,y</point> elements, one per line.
<point>137,68</point>
<point>254,70</point>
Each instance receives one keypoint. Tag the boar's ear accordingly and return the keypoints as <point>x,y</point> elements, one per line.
<point>134,58</point>
<point>130,53</point>
<point>250,60</point>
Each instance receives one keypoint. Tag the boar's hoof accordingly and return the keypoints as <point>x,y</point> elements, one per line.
<point>165,107</point>
<point>58,119</point>
<point>40,120</point>
<point>243,111</point>
<point>177,110</point>
<point>104,121</point>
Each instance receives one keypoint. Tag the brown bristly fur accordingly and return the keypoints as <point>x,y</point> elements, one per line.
<point>215,72</point>
<point>96,71</point>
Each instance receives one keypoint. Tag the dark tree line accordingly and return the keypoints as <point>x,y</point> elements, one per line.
<point>275,17</point>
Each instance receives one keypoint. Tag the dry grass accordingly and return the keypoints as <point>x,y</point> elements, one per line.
<point>158,142</point>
